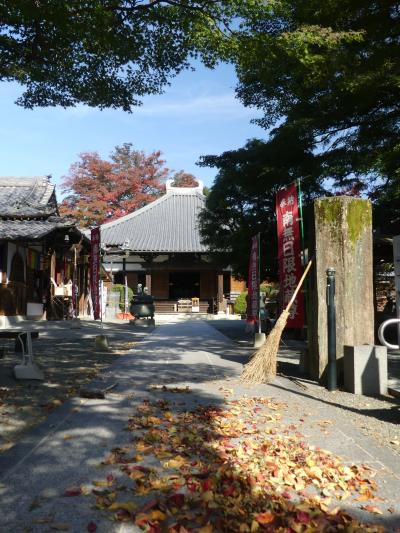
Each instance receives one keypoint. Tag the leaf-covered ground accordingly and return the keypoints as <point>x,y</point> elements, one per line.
<point>235,468</point>
<point>69,361</point>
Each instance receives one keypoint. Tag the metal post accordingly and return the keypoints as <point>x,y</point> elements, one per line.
<point>331,318</point>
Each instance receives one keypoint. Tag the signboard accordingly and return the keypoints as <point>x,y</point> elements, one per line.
<point>253,284</point>
<point>289,252</point>
<point>95,271</point>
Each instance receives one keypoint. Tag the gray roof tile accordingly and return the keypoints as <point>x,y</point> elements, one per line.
<point>169,224</point>
<point>26,197</point>
<point>28,229</point>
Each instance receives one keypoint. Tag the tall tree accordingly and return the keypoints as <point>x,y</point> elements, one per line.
<point>241,202</point>
<point>184,179</point>
<point>100,191</point>
<point>326,77</point>
<point>333,68</point>
<point>108,53</point>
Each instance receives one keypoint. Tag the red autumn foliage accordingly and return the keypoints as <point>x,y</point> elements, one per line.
<point>184,179</point>
<point>99,191</point>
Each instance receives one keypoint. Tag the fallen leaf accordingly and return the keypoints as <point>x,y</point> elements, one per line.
<point>60,527</point>
<point>206,529</point>
<point>125,506</point>
<point>72,491</point>
<point>303,518</point>
<point>265,518</point>
<point>372,509</point>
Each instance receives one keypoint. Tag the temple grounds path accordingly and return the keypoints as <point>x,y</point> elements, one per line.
<point>109,465</point>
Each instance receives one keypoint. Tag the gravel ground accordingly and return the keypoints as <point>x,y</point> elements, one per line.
<point>69,360</point>
<point>378,418</point>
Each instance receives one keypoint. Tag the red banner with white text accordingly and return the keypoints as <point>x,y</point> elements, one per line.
<point>253,284</point>
<point>289,252</point>
<point>95,271</point>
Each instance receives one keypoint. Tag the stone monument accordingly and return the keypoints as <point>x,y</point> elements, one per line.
<point>343,241</point>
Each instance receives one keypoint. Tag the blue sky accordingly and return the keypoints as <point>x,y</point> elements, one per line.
<point>197,115</point>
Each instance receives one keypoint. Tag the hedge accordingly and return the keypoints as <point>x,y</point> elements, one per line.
<point>121,289</point>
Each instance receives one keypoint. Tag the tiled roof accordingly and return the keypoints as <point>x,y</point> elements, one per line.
<point>29,229</point>
<point>22,197</point>
<point>169,224</point>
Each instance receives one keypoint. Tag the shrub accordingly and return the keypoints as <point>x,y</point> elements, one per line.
<point>121,289</point>
<point>270,291</point>
<point>241,304</point>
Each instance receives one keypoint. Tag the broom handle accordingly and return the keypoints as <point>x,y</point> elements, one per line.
<point>292,299</point>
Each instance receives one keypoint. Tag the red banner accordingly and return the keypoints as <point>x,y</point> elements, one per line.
<point>289,252</point>
<point>253,284</point>
<point>95,271</point>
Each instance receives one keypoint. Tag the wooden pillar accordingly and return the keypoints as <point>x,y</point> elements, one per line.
<point>343,241</point>
<point>148,281</point>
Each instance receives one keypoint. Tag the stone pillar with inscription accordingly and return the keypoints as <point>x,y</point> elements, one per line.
<point>343,241</point>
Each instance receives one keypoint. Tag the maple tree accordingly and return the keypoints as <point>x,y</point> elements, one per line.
<point>184,179</point>
<point>101,190</point>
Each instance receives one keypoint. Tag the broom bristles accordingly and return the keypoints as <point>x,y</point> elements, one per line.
<point>262,366</point>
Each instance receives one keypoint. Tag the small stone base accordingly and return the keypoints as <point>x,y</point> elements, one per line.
<point>28,371</point>
<point>101,343</point>
<point>365,369</point>
<point>146,322</point>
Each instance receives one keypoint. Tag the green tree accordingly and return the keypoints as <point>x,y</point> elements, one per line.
<point>326,78</point>
<point>242,200</point>
<point>108,53</point>
<point>333,69</point>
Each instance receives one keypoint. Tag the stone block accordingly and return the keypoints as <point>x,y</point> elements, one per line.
<point>365,369</point>
<point>101,343</point>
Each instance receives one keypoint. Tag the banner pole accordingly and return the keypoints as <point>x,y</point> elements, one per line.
<point>304,258</point>
<point>259,282</point>
<point>100,281</point>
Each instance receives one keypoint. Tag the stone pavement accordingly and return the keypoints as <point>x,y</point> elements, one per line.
<point>66,450</point>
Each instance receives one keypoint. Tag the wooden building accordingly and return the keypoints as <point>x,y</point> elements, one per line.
<point>41,253</point>
<point>159,246</point>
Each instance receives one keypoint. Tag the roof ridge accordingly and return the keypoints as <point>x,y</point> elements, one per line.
<point>146,207</point>
<point>21,181</point>
<point>167,224</point>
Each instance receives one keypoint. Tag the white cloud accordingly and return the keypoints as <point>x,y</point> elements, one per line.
<point>203,108</point>
<point>219,105</point>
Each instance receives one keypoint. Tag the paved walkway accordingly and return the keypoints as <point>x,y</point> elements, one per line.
<point>66,450</point>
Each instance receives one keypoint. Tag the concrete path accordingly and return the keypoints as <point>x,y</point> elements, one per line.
<point>66,450</point>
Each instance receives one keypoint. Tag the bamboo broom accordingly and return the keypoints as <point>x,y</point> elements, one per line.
<point>262,366</point>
